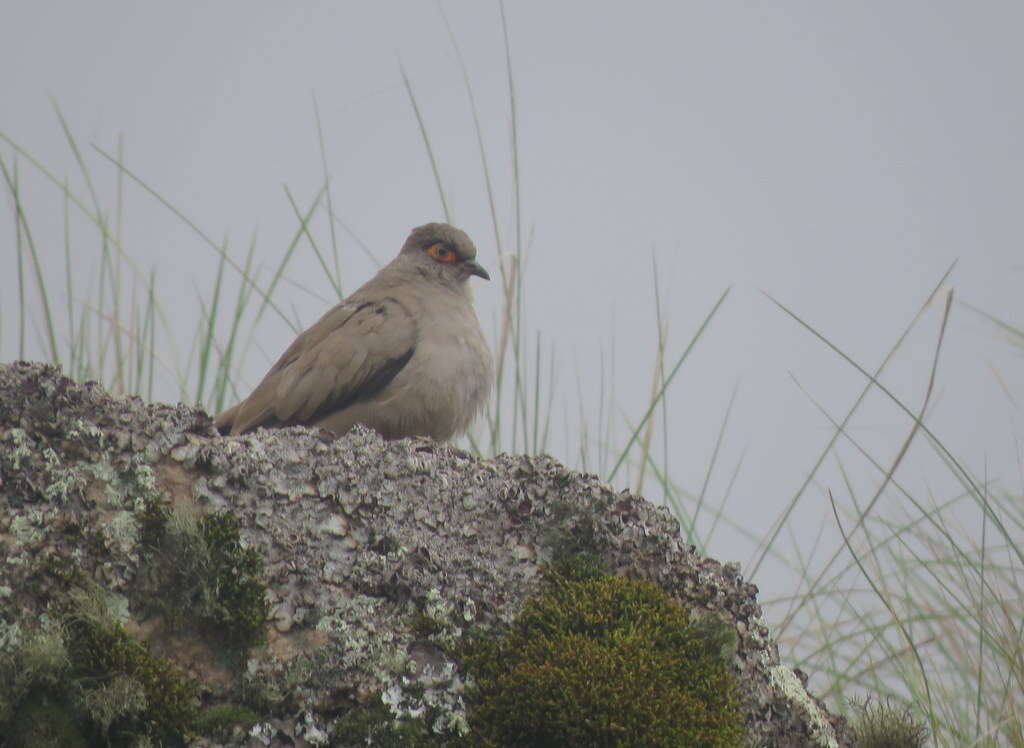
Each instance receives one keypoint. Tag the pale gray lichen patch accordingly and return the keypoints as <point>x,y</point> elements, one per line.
<point>436,606</point>
<point>84,431</point>
<point>437,693</point>
<point>20,447</point>
<point>131,485</point>
<point>122,532</point>
<point>356,643</point>
<point>264,732</point>
<point>104,472</point>
<point>118,608</point>
<point>60,481</point>
<point>144,478</point>
<point>784,680</point>
<point>311,732</point>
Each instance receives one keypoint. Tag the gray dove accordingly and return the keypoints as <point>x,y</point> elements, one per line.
<point>403,355</point>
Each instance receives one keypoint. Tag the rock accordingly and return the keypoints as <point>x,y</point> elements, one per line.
<point>361,541</point>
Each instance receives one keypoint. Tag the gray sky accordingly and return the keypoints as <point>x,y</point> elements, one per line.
<point>838,156</point>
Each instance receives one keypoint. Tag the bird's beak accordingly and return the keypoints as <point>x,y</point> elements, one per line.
<point>475,269</point>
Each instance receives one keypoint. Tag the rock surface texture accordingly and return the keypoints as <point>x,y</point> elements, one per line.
<point>360,539</point>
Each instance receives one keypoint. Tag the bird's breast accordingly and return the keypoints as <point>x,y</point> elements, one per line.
<point>451,371</point>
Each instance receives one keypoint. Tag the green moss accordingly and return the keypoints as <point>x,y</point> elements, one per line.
<point>575,529</point>
<point>374,724</point>
<point>83,680</point>
<point>125,688</point>
<point>43,721</point>
<point>222,721</point>
<point>602,662</point>
<point>425,626</point>
<point>200,575</point>
<point>579,567</point>
<point>884,725</point>
<point>30,659</point>
<point>236,596</point>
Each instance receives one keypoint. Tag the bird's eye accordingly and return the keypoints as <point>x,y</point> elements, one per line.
<point>441,252</point>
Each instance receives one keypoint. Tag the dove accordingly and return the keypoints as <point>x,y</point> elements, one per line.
<point>403,354</point>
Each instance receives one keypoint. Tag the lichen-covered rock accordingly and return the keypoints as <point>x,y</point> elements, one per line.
<point>377,558</point>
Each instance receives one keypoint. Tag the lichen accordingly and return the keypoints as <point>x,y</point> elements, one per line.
<point>30,657</point>
<point>21,447</point>
<point>311,732</point>
<point>122,532</point>
<point>354,643</point>
<point>784,680</point>
<point>63,482</point>
<point>441,620</point>
<point>132,486</point>
<point>433,697</point>
<point>26,528</point>
<point>118,698</point>
<point>83,430</point>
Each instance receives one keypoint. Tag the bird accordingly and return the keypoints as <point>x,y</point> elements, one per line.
<point>404,354</point>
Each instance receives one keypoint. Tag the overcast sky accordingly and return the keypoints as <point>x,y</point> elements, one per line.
<point>838,156</point>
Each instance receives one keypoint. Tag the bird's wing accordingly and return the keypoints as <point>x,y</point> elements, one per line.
<point>352,353</point>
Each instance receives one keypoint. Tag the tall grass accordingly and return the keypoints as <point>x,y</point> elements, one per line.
<point>914,605</point>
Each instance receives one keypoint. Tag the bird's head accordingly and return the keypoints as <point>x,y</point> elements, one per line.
<point>443,252</point>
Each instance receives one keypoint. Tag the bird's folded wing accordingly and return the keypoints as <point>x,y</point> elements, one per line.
<point>352,353</point>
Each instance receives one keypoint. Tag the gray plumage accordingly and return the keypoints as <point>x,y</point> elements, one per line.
<point>404,354</point>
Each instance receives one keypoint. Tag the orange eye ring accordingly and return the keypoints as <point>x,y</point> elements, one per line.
<point>441,252</point>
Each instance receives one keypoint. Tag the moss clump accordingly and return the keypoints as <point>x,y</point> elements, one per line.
<point>197,567</point>
<point>30,658</point>
<point>82,680</point>
<point>882,725</point>
<point>125,689</point>
<point>221,722</point>
<point>236,594</point>
<point>34,709</point>
<point>374,724</point>
<point>43,721</point>
<point>603,662</point>
<point>579,567</point>
<point>425,625</point>
<point>108,653</point>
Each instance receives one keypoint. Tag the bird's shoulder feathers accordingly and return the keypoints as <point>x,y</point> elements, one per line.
<point>350,354</point>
